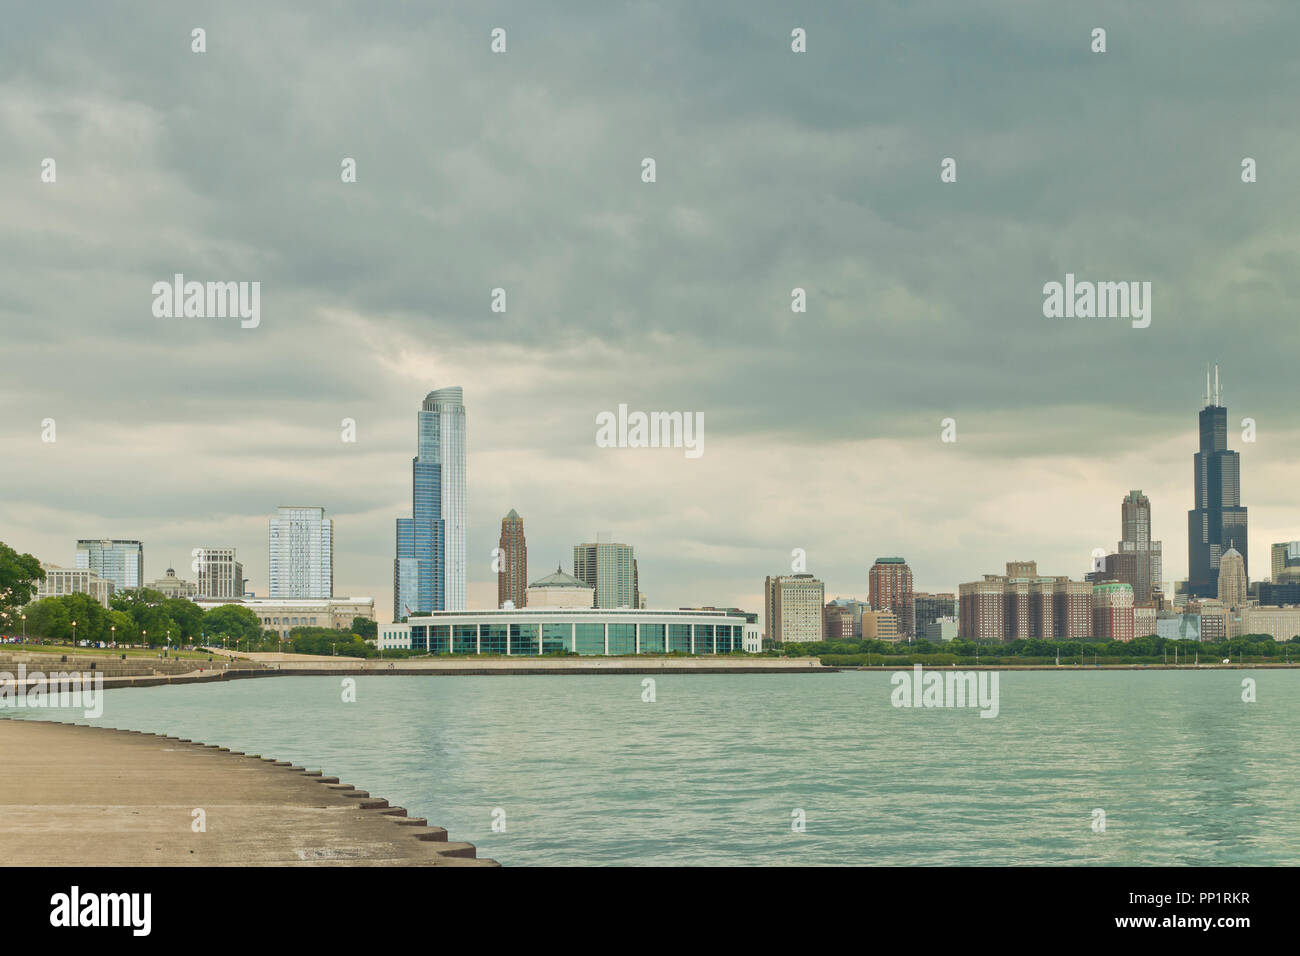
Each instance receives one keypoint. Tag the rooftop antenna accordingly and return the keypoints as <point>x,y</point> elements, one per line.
<point>1218,393</point>
<point>1207,385</point>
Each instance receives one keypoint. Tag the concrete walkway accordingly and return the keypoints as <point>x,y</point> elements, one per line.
<point>91,796</point>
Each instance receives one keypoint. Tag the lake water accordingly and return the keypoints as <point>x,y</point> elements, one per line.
<point>712,771</point>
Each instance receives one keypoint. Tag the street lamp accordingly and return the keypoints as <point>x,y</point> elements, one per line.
<point>74,633</point>
<point>24,628</point>
<point>112,634</point>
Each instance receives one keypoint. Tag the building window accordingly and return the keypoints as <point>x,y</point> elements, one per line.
<point>622,638</point>
<point>703,638</point>
<point>589,638</point>
<point>679,638</point>
<point>557,638</point>
<point>464,639</point>
<point>440,639</point>
<point>523,638</point>
<point>652,638</point>
<point>493,638</point>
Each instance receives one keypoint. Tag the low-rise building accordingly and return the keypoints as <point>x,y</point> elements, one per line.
<point>1177,626</point>
<point>1280,623</point>
<point>532,630</point>
<point>881,625</point>
<point>282,615</point>
<point>1214,618</point>
<point>170,586</point>
<point>941,630</point>
<point>60,581</point>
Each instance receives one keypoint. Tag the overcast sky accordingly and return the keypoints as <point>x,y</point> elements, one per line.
<point>522,170</point>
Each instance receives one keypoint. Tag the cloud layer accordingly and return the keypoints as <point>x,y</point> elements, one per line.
<point>522,171</point>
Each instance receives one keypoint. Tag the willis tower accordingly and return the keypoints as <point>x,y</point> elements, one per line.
<point>1218,522</point>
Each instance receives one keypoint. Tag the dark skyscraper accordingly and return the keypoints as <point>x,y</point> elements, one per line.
<point>1218,522</point>
<point>512,579</point>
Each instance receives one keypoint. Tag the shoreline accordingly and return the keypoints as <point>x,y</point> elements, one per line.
<point>76,795</point>
<point>50,671</point>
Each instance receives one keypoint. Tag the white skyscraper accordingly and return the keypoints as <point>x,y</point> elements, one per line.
<point>301,553</point>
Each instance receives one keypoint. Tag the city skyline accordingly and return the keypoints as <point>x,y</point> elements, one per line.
<point>481,599</point>
<point>924,298</point>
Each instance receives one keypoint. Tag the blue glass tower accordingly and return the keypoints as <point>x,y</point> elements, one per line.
<point>429,571</point>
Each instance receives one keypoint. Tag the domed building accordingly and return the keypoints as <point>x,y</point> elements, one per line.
<point>559,590</point>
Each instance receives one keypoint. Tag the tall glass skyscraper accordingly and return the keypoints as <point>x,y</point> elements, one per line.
<point>1218,522</point>
<point>429,570</point>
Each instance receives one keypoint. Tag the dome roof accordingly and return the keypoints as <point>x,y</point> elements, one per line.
<point>559,580</point>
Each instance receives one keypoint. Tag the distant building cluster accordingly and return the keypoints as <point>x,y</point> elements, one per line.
<point>300,575</point>
<point>1122,598</point>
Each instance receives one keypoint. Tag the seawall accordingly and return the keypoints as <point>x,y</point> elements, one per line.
<point>72,795</point>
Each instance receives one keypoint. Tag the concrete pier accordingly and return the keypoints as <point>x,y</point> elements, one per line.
<point>92,796</point>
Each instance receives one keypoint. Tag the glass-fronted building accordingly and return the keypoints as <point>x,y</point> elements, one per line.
<point>584,631</point>
<point>429,568</point>
<point>113,559</point>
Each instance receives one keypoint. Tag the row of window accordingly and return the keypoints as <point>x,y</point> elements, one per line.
<point>586,639</point>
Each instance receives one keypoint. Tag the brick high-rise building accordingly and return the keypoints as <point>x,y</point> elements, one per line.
<point>1112,611</point>
<point>891,590</point>
<point>1022,605</point>
<point>512,578</point>
<point>838,623</point>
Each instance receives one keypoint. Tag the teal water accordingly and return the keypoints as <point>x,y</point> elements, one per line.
<point>711,772</point>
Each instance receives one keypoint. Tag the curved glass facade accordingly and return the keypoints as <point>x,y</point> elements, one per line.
<point>590,632</point>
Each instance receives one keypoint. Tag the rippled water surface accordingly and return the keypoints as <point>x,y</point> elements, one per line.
<point>711,772</point>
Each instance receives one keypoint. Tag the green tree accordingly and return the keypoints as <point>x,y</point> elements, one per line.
<point>365,628</point>
<point>20,574</point>
<point>187,615</point>
<point>49,619</point>
<point>233,622</point>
